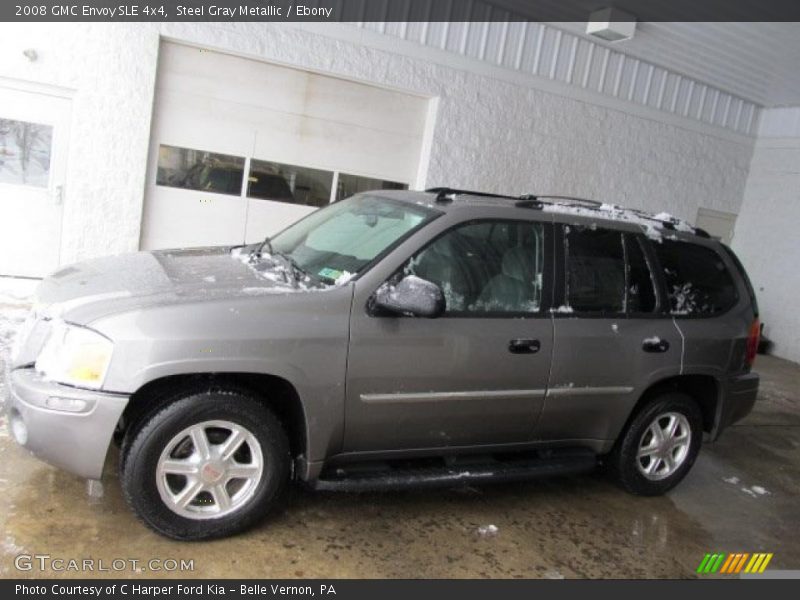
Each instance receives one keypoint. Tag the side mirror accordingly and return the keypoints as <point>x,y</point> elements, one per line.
<point>411,296</point>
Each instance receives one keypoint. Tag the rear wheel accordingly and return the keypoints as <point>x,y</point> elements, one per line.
<point>208,465</point>
<point>659,446</point>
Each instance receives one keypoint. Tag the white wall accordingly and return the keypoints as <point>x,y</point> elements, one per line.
<point>766,237</point>
<point>496,129</point>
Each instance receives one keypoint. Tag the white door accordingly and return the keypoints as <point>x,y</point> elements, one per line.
<point>241,148</point>
<point>34,135</point>
<point>718,224</point>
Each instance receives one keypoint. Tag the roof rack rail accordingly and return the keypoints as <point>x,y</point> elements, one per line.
<point>445,194</point>
<point>570,198</point>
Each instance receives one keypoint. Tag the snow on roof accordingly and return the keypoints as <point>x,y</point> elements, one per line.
<point>568,205</point>
<point>652,224</point>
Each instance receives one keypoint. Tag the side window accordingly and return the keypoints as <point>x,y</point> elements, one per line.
<point>595,269</point>
<point>697,281</point>
<point>640,286</point>
<point>485,267</point>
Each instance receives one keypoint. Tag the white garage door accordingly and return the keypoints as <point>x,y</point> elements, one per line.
<point>241,148</point>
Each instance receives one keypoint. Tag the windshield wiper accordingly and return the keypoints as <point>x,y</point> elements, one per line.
<point>267,242</point>
<point>298,272</point>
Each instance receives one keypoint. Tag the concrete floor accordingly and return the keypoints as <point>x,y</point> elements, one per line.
<point>742,495</point>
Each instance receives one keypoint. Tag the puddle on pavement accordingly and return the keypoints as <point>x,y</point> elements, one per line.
<point>572,527</point>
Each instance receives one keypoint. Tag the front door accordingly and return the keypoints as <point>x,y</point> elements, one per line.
<point>34,134</point>
<point>477,374</point>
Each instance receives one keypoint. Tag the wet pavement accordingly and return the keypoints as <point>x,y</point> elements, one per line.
<point>742,495</point>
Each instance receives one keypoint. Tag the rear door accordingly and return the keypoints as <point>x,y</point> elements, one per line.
<point>477,374</point>
<point>712,312</point>
<point>612,337</point>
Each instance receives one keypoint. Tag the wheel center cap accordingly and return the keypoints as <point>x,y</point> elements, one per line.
<point>211,472</point>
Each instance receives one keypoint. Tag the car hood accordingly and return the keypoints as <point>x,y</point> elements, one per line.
<point>96,288</point>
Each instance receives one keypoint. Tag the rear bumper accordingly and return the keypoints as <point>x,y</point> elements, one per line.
<point>739,398</point>
<point>67,427</point>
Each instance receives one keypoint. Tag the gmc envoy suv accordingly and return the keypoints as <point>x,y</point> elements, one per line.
<point>392,339</point>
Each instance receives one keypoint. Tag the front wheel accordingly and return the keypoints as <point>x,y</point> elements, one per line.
<point>207,465</point>
<point>659,446</point>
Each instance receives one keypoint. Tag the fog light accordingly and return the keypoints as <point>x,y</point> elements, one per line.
<point>19,430</point>
<point>65,404</point>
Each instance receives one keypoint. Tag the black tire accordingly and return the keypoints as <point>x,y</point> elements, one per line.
<point>143,448</point>
<point>621,462</point>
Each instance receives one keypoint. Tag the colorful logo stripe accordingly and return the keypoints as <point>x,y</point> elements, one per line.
<point>734,563</point>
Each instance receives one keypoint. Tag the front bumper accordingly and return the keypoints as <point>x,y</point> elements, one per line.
<point>76,439</point>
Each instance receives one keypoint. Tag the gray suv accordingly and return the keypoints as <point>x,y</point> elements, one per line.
<point>392,339</point>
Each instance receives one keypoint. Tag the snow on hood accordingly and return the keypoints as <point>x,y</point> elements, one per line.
<point>135,280</point>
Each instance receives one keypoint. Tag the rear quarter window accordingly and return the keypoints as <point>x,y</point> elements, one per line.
<point>697,280</point>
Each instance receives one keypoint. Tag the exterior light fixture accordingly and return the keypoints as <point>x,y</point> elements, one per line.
<point>611,24</point>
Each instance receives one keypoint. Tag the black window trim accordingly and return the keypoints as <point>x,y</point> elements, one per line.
<point>547,274</point>
<point>560,291</point>
<point>668,304</point>
<point>658,288</point>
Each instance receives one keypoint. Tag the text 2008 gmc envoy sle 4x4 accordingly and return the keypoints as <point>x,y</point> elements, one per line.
<point>392,339</point>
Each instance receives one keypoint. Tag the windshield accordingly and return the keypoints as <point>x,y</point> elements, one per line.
<point>338,241</point>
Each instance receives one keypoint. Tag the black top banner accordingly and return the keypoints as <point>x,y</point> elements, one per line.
<point>394,10</point>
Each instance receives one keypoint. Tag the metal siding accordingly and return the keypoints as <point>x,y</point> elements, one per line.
<point>550,52</point>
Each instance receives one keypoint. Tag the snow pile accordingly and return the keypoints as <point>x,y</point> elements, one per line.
<point>563,309</point>
<point>279,270</point>
<point>488,530</point>
<point>684,299</point>
<point>652,225</point>
<point>15,291</point>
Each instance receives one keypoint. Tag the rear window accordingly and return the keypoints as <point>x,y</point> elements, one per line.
<point>595,270</point>
<point>743,274</point>
<point>698,284</point>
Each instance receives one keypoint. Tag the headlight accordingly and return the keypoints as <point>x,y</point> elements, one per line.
<point>75,356</point>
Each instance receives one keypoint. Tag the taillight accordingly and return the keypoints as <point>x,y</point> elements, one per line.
<point>752,342</point>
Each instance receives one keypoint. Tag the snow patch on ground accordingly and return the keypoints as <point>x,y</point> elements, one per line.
<point>488,530</point>
<point>553,574</point>
<point>754,491</point>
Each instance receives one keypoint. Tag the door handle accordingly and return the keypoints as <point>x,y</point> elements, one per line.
<point>58,194</point>
<point>655,345</point>
<point>524,346</point>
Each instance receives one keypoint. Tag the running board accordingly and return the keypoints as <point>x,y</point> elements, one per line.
<point>496,471</point>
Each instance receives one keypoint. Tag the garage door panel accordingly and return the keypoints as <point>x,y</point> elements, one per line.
<point>323,144</point>
<point>365,106</point>
<point>266,218</point>
<point>243,89</point>
<point>267,87</point>
<point>208,104</point>
<point>186,218</point>
<point>188,125</point>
